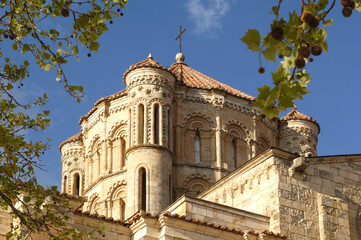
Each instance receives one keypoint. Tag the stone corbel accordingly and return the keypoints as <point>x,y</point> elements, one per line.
<point>298,165</point>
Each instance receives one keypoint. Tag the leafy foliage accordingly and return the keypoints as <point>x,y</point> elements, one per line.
<point>293,40</point>
<point>22,28</point>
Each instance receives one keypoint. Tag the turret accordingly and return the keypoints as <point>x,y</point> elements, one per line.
<point>73,165</point>
<point>299,134</point>
<point>150,89</point>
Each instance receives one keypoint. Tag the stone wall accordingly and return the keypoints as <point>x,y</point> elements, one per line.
<point>252,187</point>
<point>5,220</point>
<point>323,202</point>
<point>320,199</point>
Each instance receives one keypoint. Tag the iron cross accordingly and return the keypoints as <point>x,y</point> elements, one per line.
<point>180,37</point>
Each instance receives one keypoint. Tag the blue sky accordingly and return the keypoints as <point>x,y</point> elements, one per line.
<point>211,45</point>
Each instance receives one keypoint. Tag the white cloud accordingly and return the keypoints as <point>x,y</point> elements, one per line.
<point>207,15</point>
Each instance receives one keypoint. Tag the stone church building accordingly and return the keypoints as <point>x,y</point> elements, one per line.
<point>179,155</point>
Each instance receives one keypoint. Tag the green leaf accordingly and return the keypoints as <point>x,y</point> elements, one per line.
<point>328,22</point>
<point>47,67</point>
<point>25,48</point>
<point>321,5</point>
<point>288,62</point>
<point>14,46</point>
<point>9,86</point>
<point>358,7</point>
<point>59,51</point>
<point>270,53</point>
<point>75,50</point>
<point>280,74</point>
<point>94,46</point>
<point>27,199</point>
<point>252,39</point>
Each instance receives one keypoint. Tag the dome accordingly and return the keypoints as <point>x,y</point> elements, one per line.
<point>147,63</point>
<point>77,137</point>
<point>294,114</point>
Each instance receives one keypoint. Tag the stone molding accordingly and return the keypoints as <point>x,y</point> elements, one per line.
<point>188,118</point>
<point>74,152</point>
<point>289,131</point>
<point>114,187</point>
<point>94,198</point>
<point>197,176</point>
<point>145,79</point>
<point>228,127</point>
<point>115,127</point>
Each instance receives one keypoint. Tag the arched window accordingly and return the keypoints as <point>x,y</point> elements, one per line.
<point>234,153</point>
<point>76,185</point>
<point>122,210</point>
<point>197,147</point>
<point>65,184</point>
<point>142,189</point>
<point>156,124</point>
<point>140,124</point>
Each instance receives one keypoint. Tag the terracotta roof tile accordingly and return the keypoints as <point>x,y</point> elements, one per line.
<point>224,228</point>
<point>119,94</point>
<point>193,78</point>
<point>296,115</point>
<point>149,62</point>
<point>71,196</point>
<point>75,138</point>
<point>99,217</point>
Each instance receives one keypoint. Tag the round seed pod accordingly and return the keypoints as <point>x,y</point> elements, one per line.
<point>65,12</point>
<point>300,62</point>
<point>316,50</point>
<point>304,51</point>
<point>261,70</point>
<point>310,59</point>
<point>352,5</point>
<point>306,16</point>
<point>346,11</point>
<point>315,21</point>
<point>346,3</point>
<point>277,33</point>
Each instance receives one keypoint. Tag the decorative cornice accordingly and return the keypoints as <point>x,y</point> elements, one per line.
<point>155,80</point>
<point>289,131</point>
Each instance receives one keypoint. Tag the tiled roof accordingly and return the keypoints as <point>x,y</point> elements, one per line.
<point>193,78</point>
<point>138,216</point>
<point>75,138</point>
<point>296,115</point>
<point>119,94</point>
<point>149,62</point>
<point>71,196</point>
<point>99,217</point>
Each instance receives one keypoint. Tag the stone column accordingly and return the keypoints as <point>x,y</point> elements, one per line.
<point>104,158</point>
<point>88,180</point>
<point>161,125</point>
<point>109,156</point>
<point>170,130</point>
<point>178,143</point>
<point>81,179</point>
<point>129,127</point>
<point>151,120</point>
<point>145,122</point>
<point>91,171</point>
<point>218,145</point>
<point>122,153</point>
